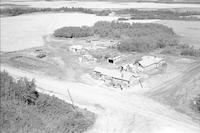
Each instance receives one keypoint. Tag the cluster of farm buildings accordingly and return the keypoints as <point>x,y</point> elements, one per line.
<point>121,75</point>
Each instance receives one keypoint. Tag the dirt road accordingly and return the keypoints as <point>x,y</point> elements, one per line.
<point>117,112</point>
<point>179,80</point>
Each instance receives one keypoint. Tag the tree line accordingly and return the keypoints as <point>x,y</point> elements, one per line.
<point>134,13</point>
<point>159,14</point>
<point>26,10</point>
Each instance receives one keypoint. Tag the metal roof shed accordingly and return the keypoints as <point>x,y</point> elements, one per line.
<point>148,61</point>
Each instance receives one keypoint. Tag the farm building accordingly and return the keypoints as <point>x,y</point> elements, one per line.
<point>132,68</point>
<point>151,62</point>
<point>115,75</point>
<point>114,59</point>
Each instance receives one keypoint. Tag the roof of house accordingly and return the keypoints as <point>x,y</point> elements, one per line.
<point>150,60</point>
<point>115,73</point>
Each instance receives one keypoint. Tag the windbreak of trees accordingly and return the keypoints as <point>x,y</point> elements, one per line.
<point>23,109</point>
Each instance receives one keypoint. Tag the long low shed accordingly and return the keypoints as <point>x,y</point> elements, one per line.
<point>116,74</point>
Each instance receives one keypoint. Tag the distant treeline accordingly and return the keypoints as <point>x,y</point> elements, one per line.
<point>24,109</point>
<point>134,37</point>
<point>134,13</point>
<point>25,10</point>
<point>159,14</point>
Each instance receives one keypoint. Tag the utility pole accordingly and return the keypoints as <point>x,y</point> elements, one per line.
<point>140,83</point>
<point>71,99</point>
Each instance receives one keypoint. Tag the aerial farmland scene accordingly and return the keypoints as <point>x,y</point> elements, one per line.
<point>100,66</point>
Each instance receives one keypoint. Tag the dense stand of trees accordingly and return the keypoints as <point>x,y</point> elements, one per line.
<point>134,37</point>
<point>23,109</point>
<point>73,32</point>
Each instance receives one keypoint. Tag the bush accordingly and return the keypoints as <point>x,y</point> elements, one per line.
<point>103,13</point>
<point>22,90</point>
<point>171,51</point>
<point>191,52</point>
<point>23,109</point>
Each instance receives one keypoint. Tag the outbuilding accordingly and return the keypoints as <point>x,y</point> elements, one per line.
<point>151,62</point>
<point>115,74</point>
<point>114,59</point>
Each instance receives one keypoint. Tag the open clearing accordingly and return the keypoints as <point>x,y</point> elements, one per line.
<point>101,4</point>
<point>27,31</point>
